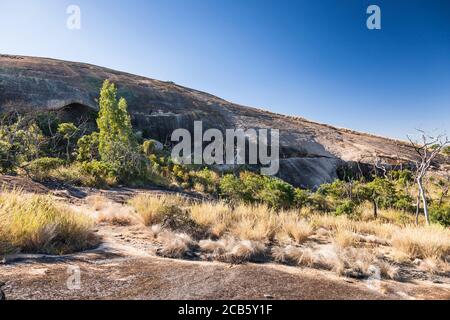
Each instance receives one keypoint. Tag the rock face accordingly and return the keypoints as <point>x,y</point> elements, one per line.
<point>311,153</point>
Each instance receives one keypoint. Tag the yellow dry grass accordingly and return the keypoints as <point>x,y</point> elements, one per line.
<point>214,216</point>
<point>431,242</point>
<point>284,231</point>
<point>39,224</point>
<point>293,228</point>
<point>153,209</point>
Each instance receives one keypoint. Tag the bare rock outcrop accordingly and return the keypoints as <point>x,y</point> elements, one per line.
<point>312,153</point>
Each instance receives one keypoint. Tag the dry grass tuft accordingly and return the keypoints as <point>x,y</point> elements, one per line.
<point>154,209</point>
<point>257,223</point>
<point>39,224</point>
<point>382,230</point>
<point>362,263</point>
<point>294,255</point>
<point>354,263</point>
<point>435,266</point>
<point>344,238</point>
<point>423,242</point>
<point>174,245</point>
<point>110,212</point>
<point>292,228</point>
<point>231,250</point>
<point>216,217</point>
<point>387,270</point>
<point>97,202</point>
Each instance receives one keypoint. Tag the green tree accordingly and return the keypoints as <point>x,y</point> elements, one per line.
<point>113,122</point>
<point>117,145</point>
<point>68,131</point>
<point>19,143</point>
<point>381,192</point>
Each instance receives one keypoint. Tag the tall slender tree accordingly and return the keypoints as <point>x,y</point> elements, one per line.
<point>427,148</point>
<point>114,124</point>
<point>117,145</point>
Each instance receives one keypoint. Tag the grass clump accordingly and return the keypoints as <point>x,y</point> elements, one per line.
<point>423,242</point>
<point>155,209</point>
<point>293,228</point>
<point>39,224</point>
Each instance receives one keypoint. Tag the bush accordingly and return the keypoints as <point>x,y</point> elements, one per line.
<point>253,188</point>
<point>319,202</point>
<point>404,202</point>
<point>19,142</point>
<point>149,147</point>
<point>440,214</point>
<point>347,207</point>
<point>276,193</point>
<point>207,179</point>
<point>300,198</point>
<point>231,188</point>
<point>335,190</point>
<point>87,147</point>
<point>41,167</point>
<point>103,173</point>
<point>446,151</point>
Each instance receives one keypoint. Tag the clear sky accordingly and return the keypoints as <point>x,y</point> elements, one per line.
<point>315,59</point>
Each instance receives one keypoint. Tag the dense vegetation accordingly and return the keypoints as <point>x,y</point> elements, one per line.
<point>45,148</point>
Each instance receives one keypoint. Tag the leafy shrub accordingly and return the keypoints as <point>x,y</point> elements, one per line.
<point>440,214</point>
<point>207,179</point>
<point>319,202</point>
<point>300,197</point>
<point>102,173</point>
<point>148,147</point>
<point>68,131</point>
<point>231,188</point>
<point>253,188</point>
<point>19,142</point>
<point>446,150</point>
<point>404,202</point>
<point>87,147</point>
<point>276,193</point>
<point>336,190</point>
<point>347,207</point>
<point>48,123</point>
<point>403,177</point>
<point>41,167</point>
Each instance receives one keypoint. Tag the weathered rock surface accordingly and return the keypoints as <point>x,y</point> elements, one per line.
<point>311,152</point>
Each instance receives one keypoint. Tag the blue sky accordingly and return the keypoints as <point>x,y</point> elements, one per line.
<point>314,59</point>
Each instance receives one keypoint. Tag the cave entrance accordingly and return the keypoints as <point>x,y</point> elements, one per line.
<point>78,113</point>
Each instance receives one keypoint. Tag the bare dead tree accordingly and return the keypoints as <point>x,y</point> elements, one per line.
<point>380,166</point>
<point>427,148</point>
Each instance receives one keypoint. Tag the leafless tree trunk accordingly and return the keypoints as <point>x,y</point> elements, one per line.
<point>375,208</point>
<point>379,165</point>
<point>417,209</point>
<point>428,149</point>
